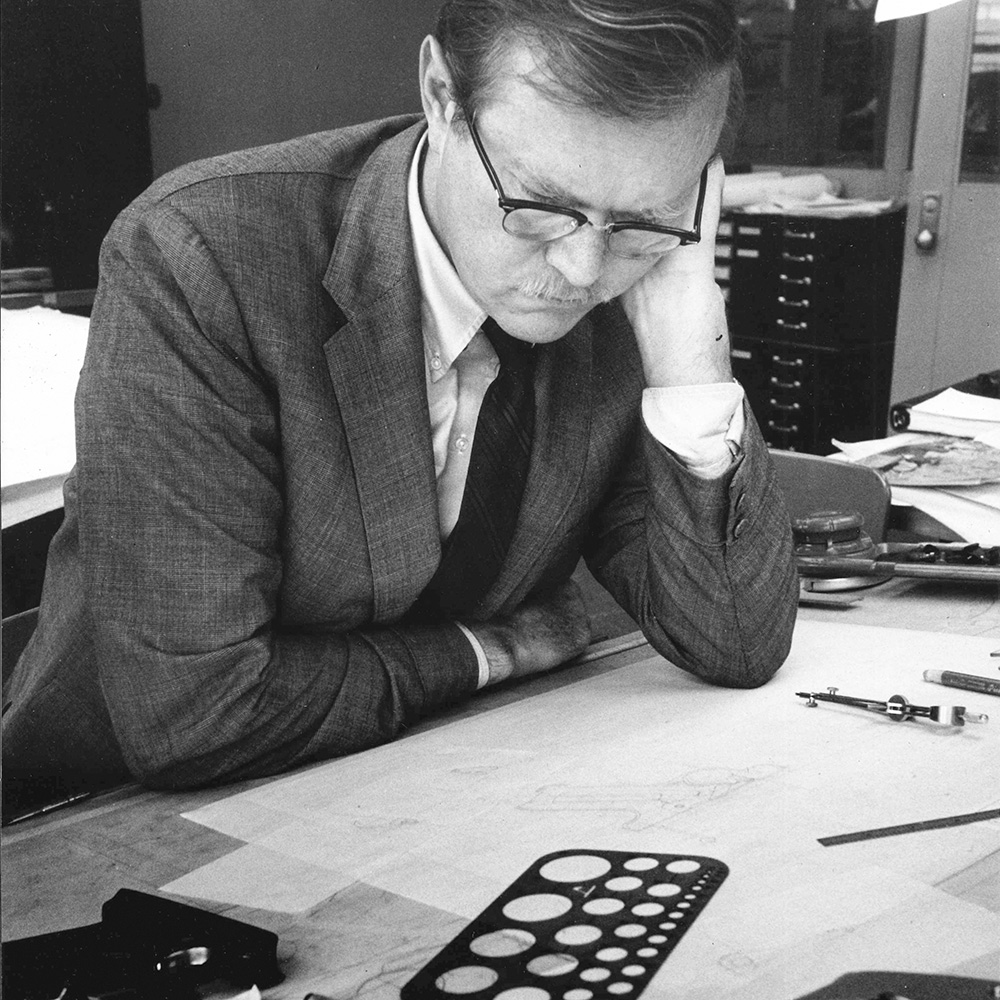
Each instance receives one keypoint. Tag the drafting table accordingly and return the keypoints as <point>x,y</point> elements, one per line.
<point>367,865</point>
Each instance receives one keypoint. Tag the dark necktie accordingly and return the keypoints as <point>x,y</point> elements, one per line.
<point>498,469</point>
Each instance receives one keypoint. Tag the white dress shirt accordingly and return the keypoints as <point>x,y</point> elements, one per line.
<point>701,424</point>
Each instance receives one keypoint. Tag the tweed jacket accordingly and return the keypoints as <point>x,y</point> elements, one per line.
<point>253,509</point>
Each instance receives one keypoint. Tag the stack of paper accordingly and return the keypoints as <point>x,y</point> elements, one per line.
<point>960,413</point>
<point>42,356</point>
<point>955,480</point>
<point>773,193</point>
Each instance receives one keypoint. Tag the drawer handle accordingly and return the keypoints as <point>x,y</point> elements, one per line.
<point>792,326</point>
<point>787,407</point>
<point>778,384</point>
<point>794,303</point>
<point>793,429</point>
<point>792,234</point>
<point>804,258</point>
<point>795,281</point>
<point>778,360</point>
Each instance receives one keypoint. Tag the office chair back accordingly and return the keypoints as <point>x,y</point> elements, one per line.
<point>812,483</point>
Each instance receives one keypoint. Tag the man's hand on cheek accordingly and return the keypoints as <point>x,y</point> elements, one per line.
<point>677,311</point>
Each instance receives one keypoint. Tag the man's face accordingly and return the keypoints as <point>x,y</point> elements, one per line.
<point>547,151</point>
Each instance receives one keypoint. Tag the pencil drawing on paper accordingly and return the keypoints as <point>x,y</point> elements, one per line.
<point>650,805</point>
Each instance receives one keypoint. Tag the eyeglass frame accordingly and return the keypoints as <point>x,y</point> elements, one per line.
<point>508,205</point>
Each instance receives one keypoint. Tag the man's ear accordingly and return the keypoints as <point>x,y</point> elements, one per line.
<point>435,91</point>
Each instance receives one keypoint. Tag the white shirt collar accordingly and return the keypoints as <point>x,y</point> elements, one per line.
<point>450,317</point>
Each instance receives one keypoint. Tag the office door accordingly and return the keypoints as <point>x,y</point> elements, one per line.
<point>949,315</point>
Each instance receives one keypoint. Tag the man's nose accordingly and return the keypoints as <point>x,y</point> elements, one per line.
<point>579,256</point>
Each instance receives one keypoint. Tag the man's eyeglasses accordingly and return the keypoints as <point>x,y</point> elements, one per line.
<point>541,223</point>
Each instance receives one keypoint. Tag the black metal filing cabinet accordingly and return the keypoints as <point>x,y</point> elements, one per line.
<point>812,316</point>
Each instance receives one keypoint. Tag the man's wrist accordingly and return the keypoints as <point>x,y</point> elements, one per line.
<point>495,643</point>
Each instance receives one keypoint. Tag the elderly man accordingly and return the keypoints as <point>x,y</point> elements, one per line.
<point>354,406</point>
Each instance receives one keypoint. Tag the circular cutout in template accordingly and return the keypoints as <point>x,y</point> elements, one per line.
<point>663,889</point>
<point>538,906</point>
<point>647,909</point>
<point>502,943</point>
<point>624,883</point>
<point>466,979</point>
<point>683,867</point>
<point>630,930</point>
<point>611,954</point>
<point>578,995</point>
<point>578,934</point>
<point>595,975</point>
<point>620,988</point>
<point>524,993</point>
<point>640,864</point>
<point>552,965</point>
<point>575,868</point>
<point>603,906</point>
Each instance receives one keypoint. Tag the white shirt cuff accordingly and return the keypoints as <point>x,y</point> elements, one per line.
<point>481,661</point>
<point>701,424</point>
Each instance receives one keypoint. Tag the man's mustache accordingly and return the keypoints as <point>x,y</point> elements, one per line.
<point>555,290</point>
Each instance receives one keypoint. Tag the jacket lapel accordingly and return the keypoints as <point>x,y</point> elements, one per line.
<point>376,363</point>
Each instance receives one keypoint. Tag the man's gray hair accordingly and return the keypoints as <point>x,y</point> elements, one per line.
<point>637,59</point>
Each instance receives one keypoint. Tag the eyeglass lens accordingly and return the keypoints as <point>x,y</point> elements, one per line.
<point>542,226</point>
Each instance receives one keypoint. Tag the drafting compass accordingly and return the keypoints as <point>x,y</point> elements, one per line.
<point>898,708</point>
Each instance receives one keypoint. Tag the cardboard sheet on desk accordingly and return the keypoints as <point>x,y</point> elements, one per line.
<point>645,757</point>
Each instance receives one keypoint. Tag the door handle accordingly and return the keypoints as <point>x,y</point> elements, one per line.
<point>927,228</point>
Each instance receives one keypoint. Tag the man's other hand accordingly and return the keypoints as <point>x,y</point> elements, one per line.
<point>542,633</point>
<point>677,311</point>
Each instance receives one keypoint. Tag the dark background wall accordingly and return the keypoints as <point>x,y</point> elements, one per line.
<point>237,73</point>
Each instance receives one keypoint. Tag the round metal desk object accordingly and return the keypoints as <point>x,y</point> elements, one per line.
<point>834,533</point>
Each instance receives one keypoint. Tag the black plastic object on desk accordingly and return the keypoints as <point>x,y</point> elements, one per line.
<point>144,947</point>
<point>593,923</point>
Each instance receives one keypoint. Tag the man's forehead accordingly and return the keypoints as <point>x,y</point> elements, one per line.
<point>552,147</point>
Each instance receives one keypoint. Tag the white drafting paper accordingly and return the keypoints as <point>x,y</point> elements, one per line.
<point>292,885</point>
<point>646,758</point>
<point>974,519</point>
<point>42,353</point>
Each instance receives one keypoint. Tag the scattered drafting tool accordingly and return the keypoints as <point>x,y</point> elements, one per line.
<point>940,823</point>
<point>898,708</point>
<point>592,923</point>
<point>965,682</point>
<point>833,552</point>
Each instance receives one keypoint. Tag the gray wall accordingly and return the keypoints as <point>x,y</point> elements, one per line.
<point>238,73</point>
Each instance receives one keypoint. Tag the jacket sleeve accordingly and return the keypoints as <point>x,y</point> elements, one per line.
<point>703,565</point>
<point>181,510</point>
